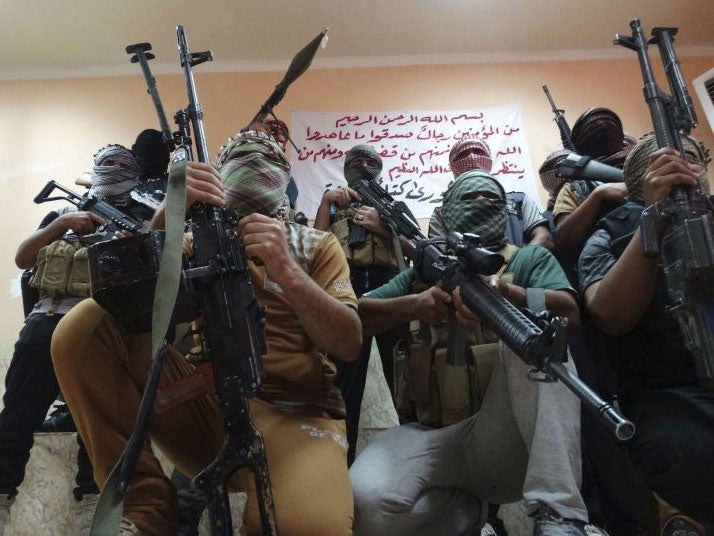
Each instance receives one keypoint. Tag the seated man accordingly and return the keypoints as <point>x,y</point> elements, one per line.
<point>523,442</point>
<point>301,278</point>
<point>641,346</point>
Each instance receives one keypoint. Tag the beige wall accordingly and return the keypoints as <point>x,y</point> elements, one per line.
<point>51,128</point>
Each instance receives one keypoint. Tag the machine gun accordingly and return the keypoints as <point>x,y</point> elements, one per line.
<point>560,120</point>
<point>90,204</point>
<point>680,229</point>
<point>233,328</point>
<point>218,284</point>
<point>538,340</point>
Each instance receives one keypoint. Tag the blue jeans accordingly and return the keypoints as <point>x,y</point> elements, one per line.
<point>30,389</point>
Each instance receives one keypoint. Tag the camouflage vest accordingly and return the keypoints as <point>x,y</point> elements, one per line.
<point>375,250</point>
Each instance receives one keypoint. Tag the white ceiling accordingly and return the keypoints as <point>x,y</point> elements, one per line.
<point>69,38</point>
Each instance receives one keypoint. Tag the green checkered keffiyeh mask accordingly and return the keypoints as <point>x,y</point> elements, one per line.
<point>484,215</point>
<point>255,174</point>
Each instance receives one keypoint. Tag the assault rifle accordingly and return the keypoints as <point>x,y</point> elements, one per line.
<point>395,214</point>
<point>560,120</point>
<point>233,328</point>
<point>680,229</point>
<point>538,340</point>
<point>90,204</point>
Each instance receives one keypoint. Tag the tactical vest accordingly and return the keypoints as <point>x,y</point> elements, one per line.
<point>434,391</point>
<point>376,250</point>
<point>583,188</point>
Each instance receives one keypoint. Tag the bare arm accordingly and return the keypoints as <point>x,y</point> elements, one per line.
<point>576,227</point>
<point>619,300</point>
<point>331,325</point>
<point>616,311</point>
<point>379,315</point>
<point>79,222</point>
<point>540,236</point>
<point>559,302</point>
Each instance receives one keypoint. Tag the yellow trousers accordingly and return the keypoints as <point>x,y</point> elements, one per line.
<point>102,371</point>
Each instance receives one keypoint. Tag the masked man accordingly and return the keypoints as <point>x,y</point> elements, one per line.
<point>302,280</point>
<point>525,223</point>
<point>523,441</point>
<point>639,347</point>
<point>58,252</point>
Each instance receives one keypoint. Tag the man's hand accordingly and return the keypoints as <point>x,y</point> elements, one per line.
<point>264,241</point>
<point>203,184</point>
<point>341,196</point>
<point>666,170</point>
<point>432,305</point>
<point>464,315</point>
<point>368,217</point>
<point>80,223</point>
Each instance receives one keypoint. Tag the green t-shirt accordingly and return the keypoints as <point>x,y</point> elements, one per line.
<point>531,267</point>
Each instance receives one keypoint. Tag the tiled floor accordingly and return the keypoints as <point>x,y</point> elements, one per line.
<point>44,499</point>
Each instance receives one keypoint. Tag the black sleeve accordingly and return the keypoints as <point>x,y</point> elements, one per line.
<point>49,218</point>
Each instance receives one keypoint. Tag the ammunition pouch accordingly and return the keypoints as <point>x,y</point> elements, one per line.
<point>434,392</point>
<point>62,269</point>
<point>375,250</point>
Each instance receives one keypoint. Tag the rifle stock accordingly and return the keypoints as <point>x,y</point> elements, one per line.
<point>686,244</point>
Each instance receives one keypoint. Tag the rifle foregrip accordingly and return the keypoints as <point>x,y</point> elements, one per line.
<point>510,325</point>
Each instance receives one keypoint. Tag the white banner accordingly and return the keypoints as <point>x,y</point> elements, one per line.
<point>414,146</point>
